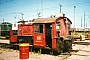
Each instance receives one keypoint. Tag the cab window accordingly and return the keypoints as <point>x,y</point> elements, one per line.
<point>68,25</point>
<point>38,28</point>
<point>57,25</point>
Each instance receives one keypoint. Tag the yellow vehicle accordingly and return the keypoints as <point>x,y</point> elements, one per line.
<point>78,36</point>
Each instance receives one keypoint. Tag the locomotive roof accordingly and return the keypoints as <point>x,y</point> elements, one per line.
<point>48,20</point>
<point>22,21</point>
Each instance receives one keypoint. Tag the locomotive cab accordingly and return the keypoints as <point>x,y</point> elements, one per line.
<point>53,33</point>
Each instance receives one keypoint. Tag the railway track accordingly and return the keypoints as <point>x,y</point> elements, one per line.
<point>35,50</point>
<point>85,42</point>
<point>5,41</point>
<point>5,44</point>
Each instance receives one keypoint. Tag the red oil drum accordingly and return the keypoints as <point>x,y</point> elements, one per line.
<point>24,50</point>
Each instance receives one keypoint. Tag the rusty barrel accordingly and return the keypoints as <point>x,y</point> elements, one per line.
<point>24,50</point>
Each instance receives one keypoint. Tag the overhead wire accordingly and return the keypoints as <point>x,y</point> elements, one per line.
<point>43,8</point>
<point>26,4</point>
<point>29,10</point>
<point>56,7</point>
<point>5,1</point>
<point>75,4</point>
<point>40,9</point>
<point>22,5</point>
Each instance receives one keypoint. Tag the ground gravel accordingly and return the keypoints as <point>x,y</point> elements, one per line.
<point>83,52</point>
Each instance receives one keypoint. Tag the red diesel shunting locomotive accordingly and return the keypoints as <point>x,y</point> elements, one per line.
<point>46,32</point>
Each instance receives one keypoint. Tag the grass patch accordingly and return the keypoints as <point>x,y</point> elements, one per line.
<point>31,50</point>
<point>0,52</point>
<point>63,58</point>
<point>39,52</point>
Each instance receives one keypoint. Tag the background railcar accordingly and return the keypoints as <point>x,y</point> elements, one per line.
<point>5,28</point>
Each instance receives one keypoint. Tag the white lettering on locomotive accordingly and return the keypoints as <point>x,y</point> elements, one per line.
<point>38,37</point>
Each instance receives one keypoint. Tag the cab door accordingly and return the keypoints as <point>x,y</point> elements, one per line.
<point>39,35</point>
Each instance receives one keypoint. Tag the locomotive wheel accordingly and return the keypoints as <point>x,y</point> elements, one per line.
<point>59,45</point>
<point>71,42</point>
<point>56,53</point>
<point>68,46</point>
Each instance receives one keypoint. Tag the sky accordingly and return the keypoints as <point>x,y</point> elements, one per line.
<point>12,10</point>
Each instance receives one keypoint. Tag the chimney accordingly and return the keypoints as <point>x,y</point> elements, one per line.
<point>61,15</point>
